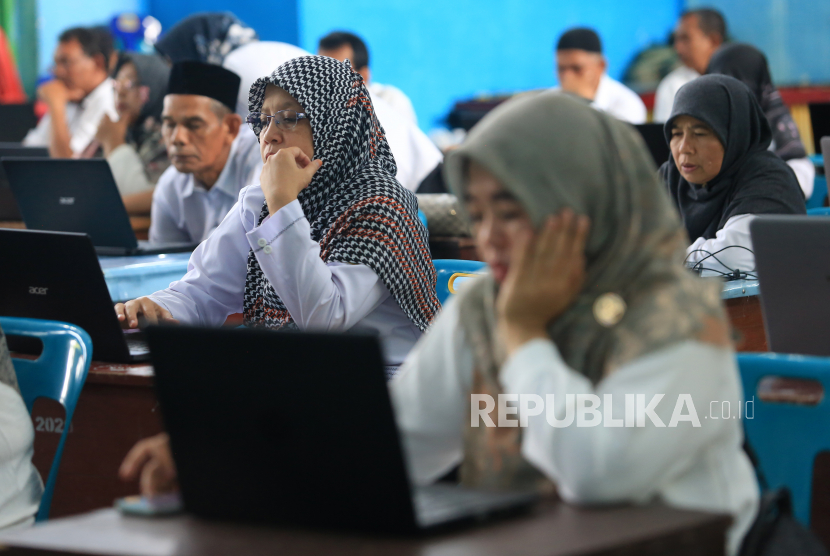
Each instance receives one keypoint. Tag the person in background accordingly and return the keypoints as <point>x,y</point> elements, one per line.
<point>698,35</point>
<point>20,484</point>
<point>205,37</point>
<point>211,160</point>
<point>585,295</point>
<point>749,65</point>
<point>133,143</point>
<point>415,155</point>
<point>721,172</point>
<point>255,59</point>
<point>77,98</point>
<point>342,45</point>
<point>581,67</point>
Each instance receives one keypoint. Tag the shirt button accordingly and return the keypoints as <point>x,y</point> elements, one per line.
<point>267,249</point>
<point>261,242</point>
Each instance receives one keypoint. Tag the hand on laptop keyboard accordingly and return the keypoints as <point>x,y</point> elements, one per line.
<point>142,311</point>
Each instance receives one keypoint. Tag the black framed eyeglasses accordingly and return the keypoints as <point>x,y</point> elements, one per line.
<point>285,120</point>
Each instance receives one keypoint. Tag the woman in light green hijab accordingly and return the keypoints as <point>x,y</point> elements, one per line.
<point>587,311</point>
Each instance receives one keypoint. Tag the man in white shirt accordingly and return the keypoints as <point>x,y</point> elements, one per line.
<point>581,67</point>
<point>341,45</point>
<point>77,98</point>
<point>415,154</point>
<point>699,33</point>
<point>211,159</point>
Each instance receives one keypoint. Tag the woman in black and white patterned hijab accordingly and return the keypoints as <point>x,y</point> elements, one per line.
<point>329,240</point>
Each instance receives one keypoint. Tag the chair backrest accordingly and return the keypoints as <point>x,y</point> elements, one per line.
<point>58,374</point>
<point>819,211</point>
<point>788,433</point>
<point>452,273</point>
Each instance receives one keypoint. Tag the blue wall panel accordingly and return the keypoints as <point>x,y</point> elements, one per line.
<point>438,51</point>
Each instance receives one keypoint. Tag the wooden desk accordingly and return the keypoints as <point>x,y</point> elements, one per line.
<point>554,529</point>
<point>116,409</point>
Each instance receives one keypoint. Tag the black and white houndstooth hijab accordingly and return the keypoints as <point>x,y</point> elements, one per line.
<point>357,210</point>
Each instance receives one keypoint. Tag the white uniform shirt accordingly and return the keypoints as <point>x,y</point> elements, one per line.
<point>667,89</point>
<point>618,100</point>
<point>82,119</point>
<point>184,211</point>
<point>395,98</point>
<point>257,59</point>
<point>415,155</point>
<point>20,484</point>
<point>730,249</point>
<point>700,468</point>
<point>320,296</point>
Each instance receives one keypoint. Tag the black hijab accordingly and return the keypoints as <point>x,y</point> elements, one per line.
<point>153,72</point>
<point>752,179</point>
<point>748,64</point>
<point>205,37</point>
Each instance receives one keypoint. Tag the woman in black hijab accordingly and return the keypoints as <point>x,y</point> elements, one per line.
<point>748,64</point>
<point>133,145</point>
<point>206,37</point>
<point>721,172</point>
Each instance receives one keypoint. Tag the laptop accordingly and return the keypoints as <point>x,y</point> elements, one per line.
<point>17,120</point>
<point>78,196</point>
<point>56,276</point>
<point>655,141</point>
<point>820,122</point>
<point>293,428</point>
<point>825,154</point>
<point>793,266</point>
<point>8,206</point>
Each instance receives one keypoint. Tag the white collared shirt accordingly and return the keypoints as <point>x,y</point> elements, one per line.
<point>667,89</point>
<point>184,211</point>
<point>319,296</point>
<point>82,118</point>
<point>395,98</point>
<point>618,100</point>
<point>415,154</point>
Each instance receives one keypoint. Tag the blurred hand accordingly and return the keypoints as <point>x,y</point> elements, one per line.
<point>128,313</point>
<point>111,134</point>
<point>546,274</point>
<point>151,461</point>
<point>55,93</point>
<point>285,174</point>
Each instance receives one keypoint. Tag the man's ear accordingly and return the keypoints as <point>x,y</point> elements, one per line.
<point>233,123</point>
<point>365,74</point>
<point>101,62</point>
<point>603,63</point>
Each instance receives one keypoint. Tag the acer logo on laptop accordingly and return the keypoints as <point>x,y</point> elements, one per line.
<point>34,290</point>
<point>67,200</point>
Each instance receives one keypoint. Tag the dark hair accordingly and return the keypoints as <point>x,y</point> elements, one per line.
<point>710,21</point>
<point>337,39</point>
<point>93,41</point>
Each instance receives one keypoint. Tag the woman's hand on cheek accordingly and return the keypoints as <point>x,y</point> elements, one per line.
<point>547,271</point>
<point>284,175</point>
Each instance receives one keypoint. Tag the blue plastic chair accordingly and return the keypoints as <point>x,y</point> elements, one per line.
<point>452,273</point>
<point>59,374</point>
<point>422,217</point>
<point>819,211</point>
<point>787,436</point>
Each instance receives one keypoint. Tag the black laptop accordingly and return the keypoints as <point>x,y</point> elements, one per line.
<point>820,121</point>
<point>793,265</point>
<point>655,141</point>
<point>8,206</point>
<point>56,276</point>
<point>296,429</point>
<point>78,196</point>
<point>17,120</point>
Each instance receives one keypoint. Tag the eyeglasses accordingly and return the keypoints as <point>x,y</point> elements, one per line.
<point>127,85</point>
<point>285,120</point>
